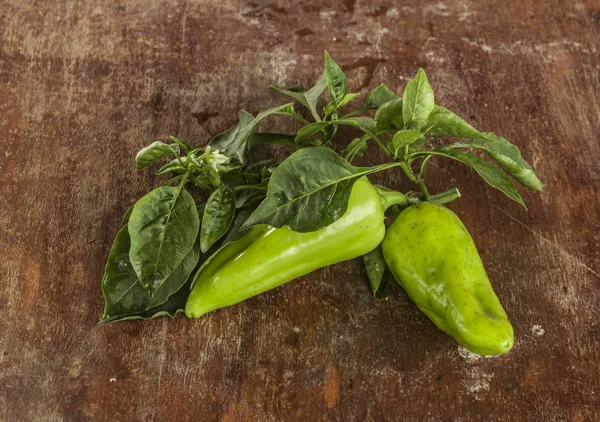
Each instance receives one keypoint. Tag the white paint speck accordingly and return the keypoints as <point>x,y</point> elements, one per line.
<point>537,331</point>
<point>468,355</point>
<point>392,13</point>
<point>296,329</point>
<point>328,14</point>
<point>112,380</point>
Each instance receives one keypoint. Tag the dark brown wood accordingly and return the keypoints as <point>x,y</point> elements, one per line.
<point>84,85</point>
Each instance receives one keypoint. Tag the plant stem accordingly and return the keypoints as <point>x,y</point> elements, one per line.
<point>300,118</point>
<point>242,187</point>
<point>413,178</point>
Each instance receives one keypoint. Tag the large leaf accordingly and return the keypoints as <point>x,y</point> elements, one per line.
<point>308,191</point>
<point>509,157</point>
<point>337,84</point>
<point>234,142</point>
<point>218,214</point>
<point>153,152</point>
<point>306,98</point>
<point>377,272</point>
<point>163,227</point>
<point>417,102</point>
<point>389,117</point>
<point>124,295</point>
<point>490,173</point>
<point>444,122</point>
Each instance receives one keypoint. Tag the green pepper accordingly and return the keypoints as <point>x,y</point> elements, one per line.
<point>267,257</point>
<point>433,257</point>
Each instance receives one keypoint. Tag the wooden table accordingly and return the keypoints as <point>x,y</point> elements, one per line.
<point>84,85</point>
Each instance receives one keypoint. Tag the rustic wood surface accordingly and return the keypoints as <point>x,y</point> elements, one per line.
<point>85,84</point>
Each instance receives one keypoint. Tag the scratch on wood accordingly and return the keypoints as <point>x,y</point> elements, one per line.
<point>163,352</point>
<point>555,245</point>
<point>331,388</point>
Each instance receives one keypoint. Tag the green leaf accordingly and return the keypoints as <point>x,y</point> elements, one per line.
<point>271,138</point>
<point>162,227</point>
<point>389,117</point>
<point>379,96</point>
<point>417,102</point>
<point>153,152</point>
<point>366,124</point>
<point>377,272</point>
<point>306,98</point>
<point>490,173</point>
<point>124,296</point>
<point>445,123</point>
<point>308,191</point>
<point>404,138</point>
<point>234,142</point>
<point>127,214</point>
<point>357,147</point>
<point>172,166</point>
<point>349,97</point>
<point>218,214</point>
<point>183,145</point>
<point>337,84</point>
<point>310,130</point>
<point>509,157</point>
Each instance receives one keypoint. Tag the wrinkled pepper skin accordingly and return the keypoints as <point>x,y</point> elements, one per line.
<point>276,256</point>
<point>433,257</point>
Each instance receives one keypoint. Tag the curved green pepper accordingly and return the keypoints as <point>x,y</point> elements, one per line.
<point>267,257</point>
<point>433,257</point>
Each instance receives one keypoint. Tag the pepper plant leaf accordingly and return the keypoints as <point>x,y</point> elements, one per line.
<point>234,142</point>
<point>307,98</point>
<point>163,227</point>
<point>309,190</point>
<point>444,122</point>
<point>377,272</point>
<point>488,172</point>
<point>218,214</point>
<point>153,152</point>
<point>417,102</point>
<point>337,84</point>
<point>388,117</point>
<point>124,296</point>
<point>508,157</point>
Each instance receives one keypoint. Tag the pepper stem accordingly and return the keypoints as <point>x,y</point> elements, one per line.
<point>390,197</point>
<point>445,197</point>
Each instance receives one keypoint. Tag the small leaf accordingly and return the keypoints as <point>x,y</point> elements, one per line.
<point>379,96</point>
<point>417,102</point>
<point>185,147</point>
<point>153,152</point>
<point>234,142</point>
<point>311,129</point>
<point>357,147</point>
<point>308,191</point>
<point>172,166</point>
<point>389,117</point>
<point>127,214</point>
<point>445,123</point>
<point>509,157</point>
<point>218,214</point>
<point>403,138</point>
<point>306,98</point>
<point>349,97</point>
<point>163,226</point>
<point>377,272</point>
<point>490,173</point>
<point>337,84</point>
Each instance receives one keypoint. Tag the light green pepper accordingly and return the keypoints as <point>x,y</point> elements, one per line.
<point>267,257</point>
<point>433,257</point>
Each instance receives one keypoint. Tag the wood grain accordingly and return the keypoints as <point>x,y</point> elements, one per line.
<point>84,85</point>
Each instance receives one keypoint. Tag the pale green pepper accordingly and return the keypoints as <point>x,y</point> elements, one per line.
<point>268,257</point>
<point>433,257</point>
